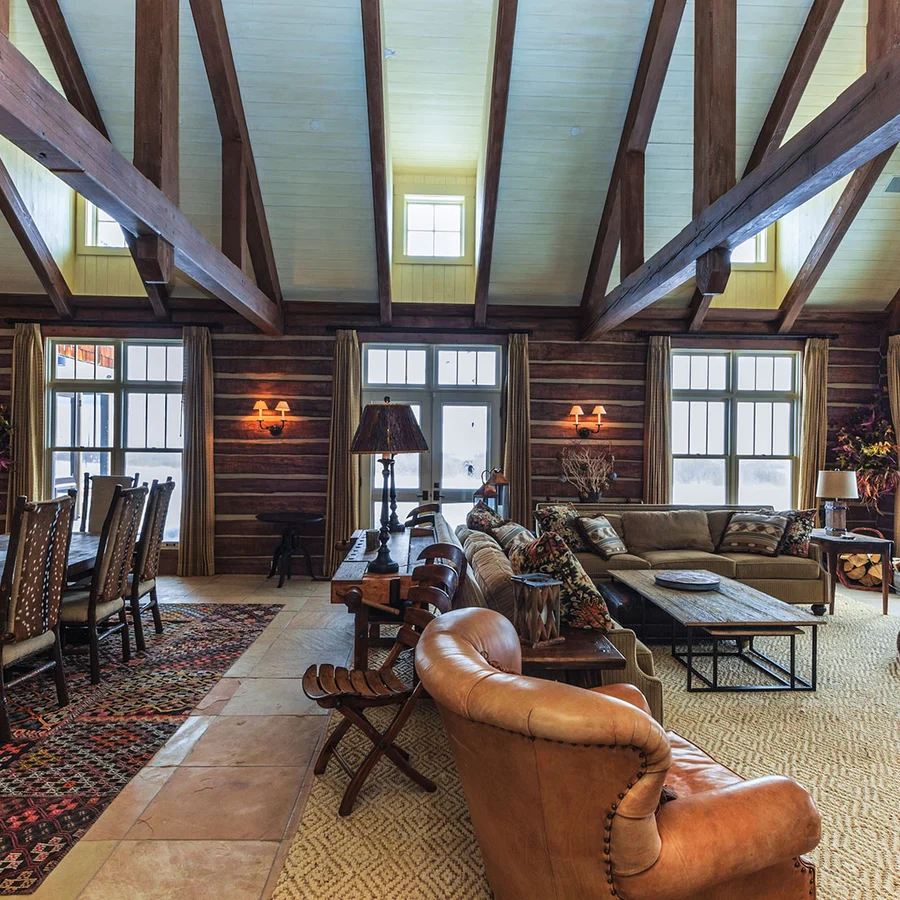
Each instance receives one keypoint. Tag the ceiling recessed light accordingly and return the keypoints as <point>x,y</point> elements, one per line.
<point>388,53</point>
<point>315,125</point>
<point>575,131</point>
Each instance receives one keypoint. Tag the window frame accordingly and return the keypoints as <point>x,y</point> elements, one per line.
<point>119,386</point>
<point>764,239</point>
<point>731,396</point>
<point>86,218</point>
<point>440,192</point>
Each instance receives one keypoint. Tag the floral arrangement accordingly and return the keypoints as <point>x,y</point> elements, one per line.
<point>5,440</point>
<point>588,467</point>
<point>867,443</point>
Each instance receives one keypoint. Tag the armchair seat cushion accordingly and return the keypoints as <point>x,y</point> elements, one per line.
<point>690,559</point>
<point>753,565</point>
<point>694,771</point>
<point>597,566</point>
<point>13,652</point>
<point>75,608</point>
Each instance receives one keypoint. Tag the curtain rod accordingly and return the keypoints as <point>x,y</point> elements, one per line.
<point>427,329</point>
<point>730,335</point>
<point>99,323</point>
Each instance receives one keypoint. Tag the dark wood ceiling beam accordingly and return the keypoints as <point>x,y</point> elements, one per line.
<point>218,58</point>
<point>882,35</point>
<point>807,50</point>
<point>156,121</point>
<point>36,118</point>
<point>373,56</point>
<point>67,64</point>
<point>504,38</point>
<point>234,203</point>
<point>632,212</point>
<point>861,123</point>
<point>665,20</point>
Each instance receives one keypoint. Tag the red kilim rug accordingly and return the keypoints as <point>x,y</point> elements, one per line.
<point>65,766</point>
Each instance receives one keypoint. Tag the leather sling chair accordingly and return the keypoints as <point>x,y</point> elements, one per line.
<point>564,786</point>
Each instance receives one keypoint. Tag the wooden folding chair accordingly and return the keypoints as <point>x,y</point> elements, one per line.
<point>352,691</point>
<point>448,554</point>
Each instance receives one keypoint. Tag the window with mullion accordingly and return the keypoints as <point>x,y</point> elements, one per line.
<point>734,427</point>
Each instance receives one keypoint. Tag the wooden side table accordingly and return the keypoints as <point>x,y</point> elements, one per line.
<point>833,545</point>
<point>579,660</point>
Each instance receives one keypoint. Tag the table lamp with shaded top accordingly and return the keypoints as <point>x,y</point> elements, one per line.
<point>387,428</point>
<point>836,487</point>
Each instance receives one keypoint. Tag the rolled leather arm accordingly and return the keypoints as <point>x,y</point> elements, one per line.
<point>731,832</point>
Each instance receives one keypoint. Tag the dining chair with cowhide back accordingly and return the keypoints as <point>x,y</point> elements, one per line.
<point>31,587</point>
<point>142,582</point>
<point>105,597</point>
<point>353,691</point>
<point>96,495</point>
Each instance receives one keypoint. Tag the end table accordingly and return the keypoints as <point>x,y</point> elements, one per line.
<point>833,545</point>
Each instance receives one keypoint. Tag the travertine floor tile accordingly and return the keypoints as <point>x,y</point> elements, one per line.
<point>177,747</point>
<point>270,697</point>
<point>123,812</point>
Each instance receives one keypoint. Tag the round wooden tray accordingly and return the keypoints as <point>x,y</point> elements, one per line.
<point>689,580</point>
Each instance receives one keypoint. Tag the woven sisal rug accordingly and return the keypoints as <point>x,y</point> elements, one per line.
<point>841,742</point>
<point>65,766</point>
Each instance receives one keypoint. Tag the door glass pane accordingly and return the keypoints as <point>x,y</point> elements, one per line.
<point>466,368</point>
<point>68,468</point>
<point>406,465</point>
<point>65,360</point>
<point>65,420</point>
<point>396,366</point>
<point>136,363</point>
<point>765,481</point>
<point>455,513</point>
<point>95,419</point>
<point>415,367</point>
<point>159,466</point>
<point>404,508</point>
<point>446,367</point>
<point>487,367</point>
<point>698,481</point>
<point>377,373</point>
<point>464,446</point>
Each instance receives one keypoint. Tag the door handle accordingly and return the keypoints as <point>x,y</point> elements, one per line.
<point>423,495</point>
<point>437,493</point>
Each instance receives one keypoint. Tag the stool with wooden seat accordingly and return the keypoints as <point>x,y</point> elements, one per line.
<point>352,691</point>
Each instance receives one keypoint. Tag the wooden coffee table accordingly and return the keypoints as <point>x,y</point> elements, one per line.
<point>734,613</point>
<point>579,660</point>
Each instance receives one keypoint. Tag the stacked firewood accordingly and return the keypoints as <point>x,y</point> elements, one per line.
<point>864,569</point>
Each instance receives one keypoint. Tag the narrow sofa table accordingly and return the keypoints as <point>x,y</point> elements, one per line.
<point>833,545</point>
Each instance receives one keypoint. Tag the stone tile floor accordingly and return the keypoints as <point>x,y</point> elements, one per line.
<point>213,813</point>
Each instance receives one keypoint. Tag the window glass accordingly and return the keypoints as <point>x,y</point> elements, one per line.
<point>434,226</point>
<point>698,481</point>
<point>395,366</point>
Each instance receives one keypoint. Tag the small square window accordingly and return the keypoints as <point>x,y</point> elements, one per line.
<point>434,226</point>
<point>100,229</point>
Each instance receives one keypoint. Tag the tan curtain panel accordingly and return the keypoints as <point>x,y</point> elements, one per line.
<point>196,548</point>
<point>342,500</point>
<point>26,417</point>
<point>814,419</point>
<point>658,421</point>
<point>517,448</point>
<point>893,384</point>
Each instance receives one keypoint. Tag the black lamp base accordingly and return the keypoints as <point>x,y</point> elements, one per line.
<point>383,564</point>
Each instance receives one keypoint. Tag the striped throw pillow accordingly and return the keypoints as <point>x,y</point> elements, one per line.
<point>753,533</point>
<point>510,534</point>
<point>600,537</point>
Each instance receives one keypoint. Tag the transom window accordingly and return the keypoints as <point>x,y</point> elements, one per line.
<point>734,427</point>
<point>116,408</point>
<point>434,226</point>
<point>100,229</point>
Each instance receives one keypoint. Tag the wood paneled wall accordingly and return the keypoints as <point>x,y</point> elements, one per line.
<point>6,342</point>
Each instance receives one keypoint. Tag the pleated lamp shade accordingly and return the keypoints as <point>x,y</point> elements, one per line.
<point>388,428</point>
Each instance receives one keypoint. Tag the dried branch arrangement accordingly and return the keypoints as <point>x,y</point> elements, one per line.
<point>587,466</point>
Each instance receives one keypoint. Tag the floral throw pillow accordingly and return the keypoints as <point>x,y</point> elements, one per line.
<point>510,534</point>
<point>581,604</point>
<point>482,518</point>
<point>601,537</point>
<point>753,533</point>
<point>563,519</point>
<point>795,541</point>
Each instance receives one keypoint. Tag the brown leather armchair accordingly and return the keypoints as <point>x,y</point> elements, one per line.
<point>564,784</point>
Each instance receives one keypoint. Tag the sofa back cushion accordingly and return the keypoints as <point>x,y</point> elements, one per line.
<point>753,533</point>
<point>493,573</point>
<point>678,529</point>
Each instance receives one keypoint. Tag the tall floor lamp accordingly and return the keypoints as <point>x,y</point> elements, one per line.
<point>387,428</point>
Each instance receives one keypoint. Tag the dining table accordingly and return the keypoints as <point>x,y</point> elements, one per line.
<point>82,553</point>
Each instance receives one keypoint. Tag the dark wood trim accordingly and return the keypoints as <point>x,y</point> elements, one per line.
<point>829,239</point>
<point>215,46</point>
<point>861,123</point>
<point>373,55</point>
<point>4,18</point>
<point>33,245</point>
<point>808,49</point>
<point>698,309</point>
<point>892,314</point>
<point>631,200</point>
<point>504,39</point>
<point>234,203</point>
<point>35,117</point>
<point>665,20</point>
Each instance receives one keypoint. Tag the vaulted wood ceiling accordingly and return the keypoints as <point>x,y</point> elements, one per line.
<point>302,80</point>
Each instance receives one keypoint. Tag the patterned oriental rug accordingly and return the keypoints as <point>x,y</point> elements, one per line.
<point>841,743</point>
<point>65,766</point>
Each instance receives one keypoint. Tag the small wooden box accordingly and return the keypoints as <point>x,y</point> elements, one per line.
<point>537,610</point>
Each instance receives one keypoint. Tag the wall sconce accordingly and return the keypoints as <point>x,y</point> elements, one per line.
<point>276,429</point>
<point>583,431</point>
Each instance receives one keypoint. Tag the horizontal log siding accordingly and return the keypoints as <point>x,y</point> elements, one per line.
<point>6,342</point>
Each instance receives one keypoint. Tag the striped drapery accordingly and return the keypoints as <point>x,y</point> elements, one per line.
<point>893,385</point>
<point>196,547</point>
<point>342,499</point>
<point>813,418</point>
<point>658,421</point>
<point>26,417</point>
<point>517,454</point>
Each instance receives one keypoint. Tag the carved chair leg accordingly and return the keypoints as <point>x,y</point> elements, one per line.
<point>154,606</point>
<point>5,730</point>
<point>139,642</point>
<point>330,746</point>
<point>126,644</point>
<point>59,675</point>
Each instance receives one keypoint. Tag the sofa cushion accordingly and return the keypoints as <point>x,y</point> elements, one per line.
<point>581,604</point>
<point>753,533</point>
<point>476,539</point>
<point>752,565</point>
<point>595,566</point>
<point>493,573</point>
<point>690,559</point>
<point>795,540</point>
<point>482,518</point>
<point>511,533</point>
<point>600,537</point>
<point>561,519</point>
<point>679,529</point>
